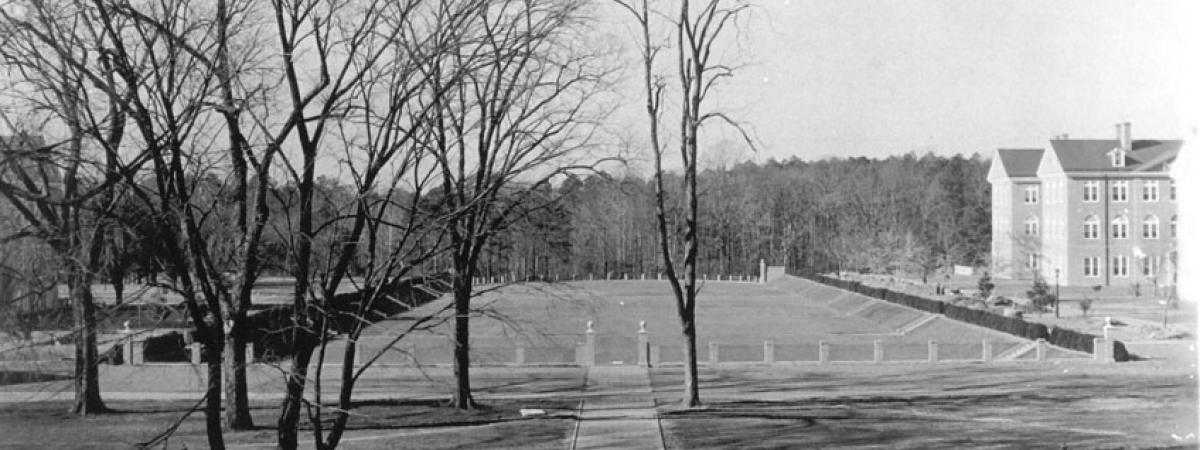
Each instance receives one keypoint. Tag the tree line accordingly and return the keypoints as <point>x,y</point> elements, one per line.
<point>909,214</point>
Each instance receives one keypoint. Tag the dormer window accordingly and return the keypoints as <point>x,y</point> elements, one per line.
<point>1118,157</point>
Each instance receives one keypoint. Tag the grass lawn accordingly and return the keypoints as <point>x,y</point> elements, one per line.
<point>551,318</point>
<point>1134,405</point>
<point>374,425</point>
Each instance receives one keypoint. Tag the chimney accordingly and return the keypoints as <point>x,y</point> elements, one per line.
<point>1125,135</point>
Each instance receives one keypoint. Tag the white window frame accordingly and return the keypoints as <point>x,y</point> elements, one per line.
<point>1150,227</point>
<point>1032,260</point>
<point>1149,266</point>
<point>1150,191</point>
<point>1120,266</point>
<point>1174,225</point>
<point>1091,227</point>
<point>1091,267</point>
<point>1031,226</point>
<point>1091,191</point>
<point>1120,228</point>
<point>1031,195</point>
<point>1120,191</point>
<point>1172,190</point>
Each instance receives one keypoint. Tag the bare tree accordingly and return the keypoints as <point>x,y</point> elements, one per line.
<point>696,34</point>
<point>64,189</point>
<point>513,124</point>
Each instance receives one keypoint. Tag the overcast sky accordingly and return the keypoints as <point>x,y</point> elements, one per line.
<point>875,78</point>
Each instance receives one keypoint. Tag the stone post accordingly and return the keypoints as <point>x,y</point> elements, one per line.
<point>878,351</point>
<point>127,351</point>
<point>762,271</point>
<point>195,352</point>
<point>987,350</point>
<point>590,349</point>
<point>769,352</point>
<point>643,343</point>
<point>933,351</point>
<point>250,353</point>
<point>1041,349</point>
<point>655,355</point>
<point>520,356</point>
<point>1102,350</point>
<point>714,353</point>
<point>823,352</point>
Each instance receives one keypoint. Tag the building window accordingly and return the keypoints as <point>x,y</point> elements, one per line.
<point>1150,191</point>
<point>1091,191</point>
<point>1091,266</point>
<point>1120,266</point>
<point>1091,227</point>
<point>1031,260</point>
<point>1150,227</point>
<point>1149,266</point>
<point>1173,221</point>
<point>1120,228</point>
<point>1120,191</point>
<point>1172,190</point>
<point>1031,194</point>
<point>1031,226</point>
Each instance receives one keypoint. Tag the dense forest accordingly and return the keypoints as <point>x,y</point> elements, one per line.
<point>909,213</point>
<point>905,214</point>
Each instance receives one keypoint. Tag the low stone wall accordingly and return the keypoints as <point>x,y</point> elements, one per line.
<point>1060,337</point>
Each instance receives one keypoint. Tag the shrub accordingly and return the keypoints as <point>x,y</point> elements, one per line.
<point>1085,305</point>
<point>169,347</point>
<point>1040,294</point>
<point>986,285</point>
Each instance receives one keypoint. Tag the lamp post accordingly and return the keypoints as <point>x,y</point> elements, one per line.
<point>1056,299</point>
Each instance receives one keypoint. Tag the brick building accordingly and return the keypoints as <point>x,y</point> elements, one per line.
<point>1092,211</point>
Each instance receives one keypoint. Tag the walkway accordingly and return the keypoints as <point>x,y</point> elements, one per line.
<point>618,411</point>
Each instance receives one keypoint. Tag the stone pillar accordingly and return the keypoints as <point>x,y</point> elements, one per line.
<point>520,356</point>
<point>762,271</point>
<point>987,350</point>
<point>196,349</point>
<point>1041,349</point>
<point>1102,350</point>
<point>250,353</point>
<point>878,351</point>
<point>655,355</point>
<point>933,351</point>
<point>769,352</point>
<point>823,352</point>
<point>358,351</point>
<point>714,353</point>
<point>643,343</point>
<point>127,351</point>
<point>590,347</point>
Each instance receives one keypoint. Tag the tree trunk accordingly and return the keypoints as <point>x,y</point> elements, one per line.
<point>293,401</point>
<point>237,405</point>
<point>212,407</point>
<point>87,374</point>
<point>691,374</point>
<point>462,336</point>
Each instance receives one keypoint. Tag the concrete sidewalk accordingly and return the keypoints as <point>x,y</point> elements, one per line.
<point>618,411</point>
